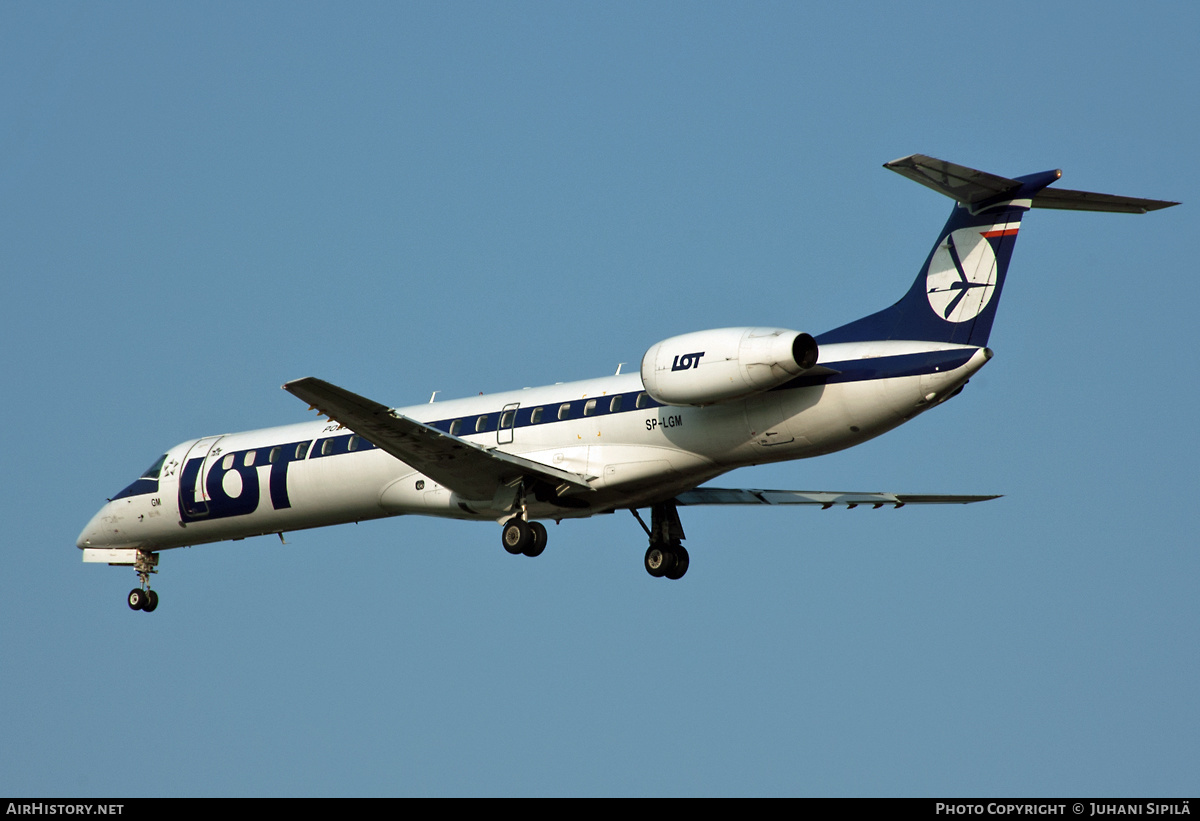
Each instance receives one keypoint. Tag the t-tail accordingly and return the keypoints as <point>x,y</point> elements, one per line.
<point>955,295</point>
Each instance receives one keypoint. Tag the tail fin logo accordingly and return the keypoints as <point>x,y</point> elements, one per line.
<point>962,272</point>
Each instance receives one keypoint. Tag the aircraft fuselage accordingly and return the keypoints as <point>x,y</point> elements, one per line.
<point>634,451</point>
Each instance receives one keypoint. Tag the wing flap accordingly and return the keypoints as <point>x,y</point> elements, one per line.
<point>471,470</point>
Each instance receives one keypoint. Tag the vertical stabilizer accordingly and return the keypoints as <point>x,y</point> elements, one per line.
<point>957,290</point>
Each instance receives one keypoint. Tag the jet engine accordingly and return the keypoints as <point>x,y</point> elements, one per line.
<point>707,367</point>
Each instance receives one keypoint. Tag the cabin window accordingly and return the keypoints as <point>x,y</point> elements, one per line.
<point>481,424</point>
<point>353,443</point>
<point>327,447</point>
<point>227,462</point>
<point>273,457</point>
<point>301,450</point>
<point>589,408</point>
<point>615,405</point>
<point>455,427</point>
<point>506,419</point>
<point>564,410</point>
<point>248,459</point>
<point>643,401</point>
<point>536,417</point>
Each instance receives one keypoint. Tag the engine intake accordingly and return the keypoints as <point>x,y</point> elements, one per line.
<point>707,367</point>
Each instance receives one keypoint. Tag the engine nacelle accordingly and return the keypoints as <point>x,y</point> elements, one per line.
<point>707,367</point>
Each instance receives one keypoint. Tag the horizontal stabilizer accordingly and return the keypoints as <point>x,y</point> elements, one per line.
<point>966,185</point>
<point>825,499</point>
<point>1088,201</point>
<point>970,187</point>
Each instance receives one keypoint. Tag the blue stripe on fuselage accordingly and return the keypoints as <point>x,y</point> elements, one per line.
<point>575,409</point>
<point>885,367</point>
<point>337,445</point>
<point>852,370</point>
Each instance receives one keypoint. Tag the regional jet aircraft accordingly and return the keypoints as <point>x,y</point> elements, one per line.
<point>702,404</point>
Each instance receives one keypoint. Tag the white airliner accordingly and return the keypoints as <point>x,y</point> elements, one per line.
<point>703,404</point>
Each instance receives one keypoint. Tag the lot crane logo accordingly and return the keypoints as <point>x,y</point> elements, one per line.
<point>962,272</point>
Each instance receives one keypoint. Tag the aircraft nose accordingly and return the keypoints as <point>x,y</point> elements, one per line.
<point>93,534</point>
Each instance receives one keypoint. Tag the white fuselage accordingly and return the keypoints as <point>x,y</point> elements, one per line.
<point>313,474</point>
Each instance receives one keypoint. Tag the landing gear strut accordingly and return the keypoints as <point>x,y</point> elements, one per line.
<point>666,556</point>
<point>143,598</point>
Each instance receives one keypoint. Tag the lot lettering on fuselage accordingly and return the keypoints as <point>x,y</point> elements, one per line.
<point>220,503</point>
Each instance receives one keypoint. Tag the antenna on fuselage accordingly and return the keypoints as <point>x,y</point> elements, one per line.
<point>432,395</point>
<point>619,365</point>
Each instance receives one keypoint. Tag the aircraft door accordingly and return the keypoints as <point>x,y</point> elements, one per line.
<point>508,422</point>
<point>193,498</point>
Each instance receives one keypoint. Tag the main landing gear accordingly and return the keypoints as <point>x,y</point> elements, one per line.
<point>521,536</point>
<point>666,556</point>
<point>143,598</point>
<point>524,538</point>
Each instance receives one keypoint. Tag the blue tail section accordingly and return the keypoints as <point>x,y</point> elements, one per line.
<point>955,294</point>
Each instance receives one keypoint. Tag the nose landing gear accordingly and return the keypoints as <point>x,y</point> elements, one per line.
<point>143,598</point>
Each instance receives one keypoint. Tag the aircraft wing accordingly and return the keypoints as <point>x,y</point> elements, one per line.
<point>471,470</point>
<point>826,499</point>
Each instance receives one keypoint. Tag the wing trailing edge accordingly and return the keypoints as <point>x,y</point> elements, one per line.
<point>823,499</point>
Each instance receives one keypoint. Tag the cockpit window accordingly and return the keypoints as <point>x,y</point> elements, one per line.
<point>153,470</point>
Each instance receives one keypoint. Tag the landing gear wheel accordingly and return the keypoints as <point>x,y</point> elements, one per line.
<point>137,599</point>
<point>151,602</point>
<point>666,555</point>
<point>538,540</point>
<point>681,562</point>
<point>517,536</point>
<point>659,562</point>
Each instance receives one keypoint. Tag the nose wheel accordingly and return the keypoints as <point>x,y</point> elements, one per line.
<point>143,598</point>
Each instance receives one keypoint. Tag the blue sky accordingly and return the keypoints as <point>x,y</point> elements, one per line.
<point>202,201</point>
